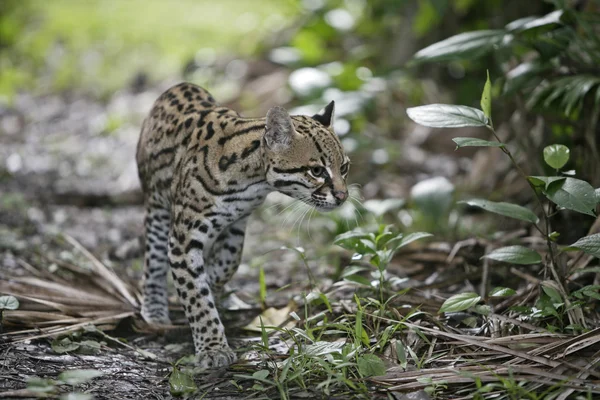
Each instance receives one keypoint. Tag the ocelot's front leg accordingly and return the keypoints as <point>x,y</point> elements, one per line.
<point>226,254</point>
<point>187,248</point>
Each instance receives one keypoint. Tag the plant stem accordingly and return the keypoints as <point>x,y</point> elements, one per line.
<point>553,260</point>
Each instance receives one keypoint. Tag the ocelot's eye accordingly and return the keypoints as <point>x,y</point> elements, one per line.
<point>317,171</point>
<point>344,169</point>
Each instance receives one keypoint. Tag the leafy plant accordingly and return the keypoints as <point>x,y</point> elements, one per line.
<point>562,191</point>
<point>72,378</point>
<point>549,65</point>
<point>7,303</point>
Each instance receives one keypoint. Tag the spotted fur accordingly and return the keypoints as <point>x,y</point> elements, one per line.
<point>203,170</point>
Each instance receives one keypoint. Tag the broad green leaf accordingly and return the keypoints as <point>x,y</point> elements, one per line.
<point>474,142</point>
<point>589,245</point>
<point>486,97</point>
<point>591,291</point>
<point>597,191</point>
<point>506,209</point>
<point>64,345</point>
<point>548,21</point>
<point>467,45</point>
<point>411,237</point>
<point>556,155</point>
<point>78,376</point>
<point>261,374</point>
<point>89,347</point>
<point>8,303</point>
<point>370,365</point>
<point>41,385</point>
<point>502,292</point>
<point>515,254</point>
<point>358,241</point>
<point>181,383</point>
<point>545,180</point>
<point>353,269</point>
<point>447,116</point>
<point>401,354</point>
<point>460,302</point>
<point>573,194</point>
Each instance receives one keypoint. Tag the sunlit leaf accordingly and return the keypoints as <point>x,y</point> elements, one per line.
<point>589,245</point>
<point>181,383</point>
<point>78,376</point>
<point>358,241</point>
<point>545,180</point>
<point>447,116</point>
<point>460,302</point>
<point>8,303</point>
<point>486,97</point>
<point>321,348</point>
<point>556,155</point>
<point>506,209</point>
<point>516,255</point>
<point>572,194</point>
<point>405,240</point>
<point>64,345</point>
<point>371,365</point>
<point>474,142</point>
<point>466,45</point>
<point>502,292</point>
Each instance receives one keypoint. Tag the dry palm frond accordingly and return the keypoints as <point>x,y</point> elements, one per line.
<point>51,305</point>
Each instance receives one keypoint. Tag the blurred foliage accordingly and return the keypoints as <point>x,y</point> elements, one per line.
<point>103,45</point>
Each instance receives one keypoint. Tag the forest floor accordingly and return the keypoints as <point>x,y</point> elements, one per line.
<point>71,197</point>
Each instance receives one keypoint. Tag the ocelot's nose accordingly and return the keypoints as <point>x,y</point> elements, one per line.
<point>340,195</point>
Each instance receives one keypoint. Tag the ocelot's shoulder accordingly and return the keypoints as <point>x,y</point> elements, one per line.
<point>186,92</point>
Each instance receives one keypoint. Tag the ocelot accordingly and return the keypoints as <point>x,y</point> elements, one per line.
<point>203,170</point>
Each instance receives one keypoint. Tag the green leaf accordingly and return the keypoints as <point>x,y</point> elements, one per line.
<point>447,116</point>
<point>572,194</point>
<point>556,155</point>
<point>322,348</point>
<point>589,245</point>
<point>181,383</point>
<point>358,241</point>
<point>370,365</point>
<point>515,254</point>
<point>545,181</point>
<point>89,347</point>
<point>460,302</point>
<point>405,240</point>
<point>506,209</point>
<point>401,354</point>
<point>64,345</point>
<point>590,291</point>
<point>474,142</point>
<point>8,303</point>
<point>486,97</point>
<point>262,285</point>
<point>502,292</point>
<point>548,21</point>
<point>467,45</point>
<point>41,385</point>
<point>261,374</point>
<point>75,377</point>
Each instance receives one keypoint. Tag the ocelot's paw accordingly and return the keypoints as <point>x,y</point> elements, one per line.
<point>216,358</point>
<point>155,318</point>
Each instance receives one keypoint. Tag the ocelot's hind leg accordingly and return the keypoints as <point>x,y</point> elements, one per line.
<point>156,265</point>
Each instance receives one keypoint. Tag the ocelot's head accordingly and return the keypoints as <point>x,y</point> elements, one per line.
<point>305,159</point>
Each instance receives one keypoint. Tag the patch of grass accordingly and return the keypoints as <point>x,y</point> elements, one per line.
<point>60,44</point>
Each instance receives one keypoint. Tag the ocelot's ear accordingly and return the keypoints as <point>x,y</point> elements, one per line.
<point>279,129</point>
<point>325,116</point>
